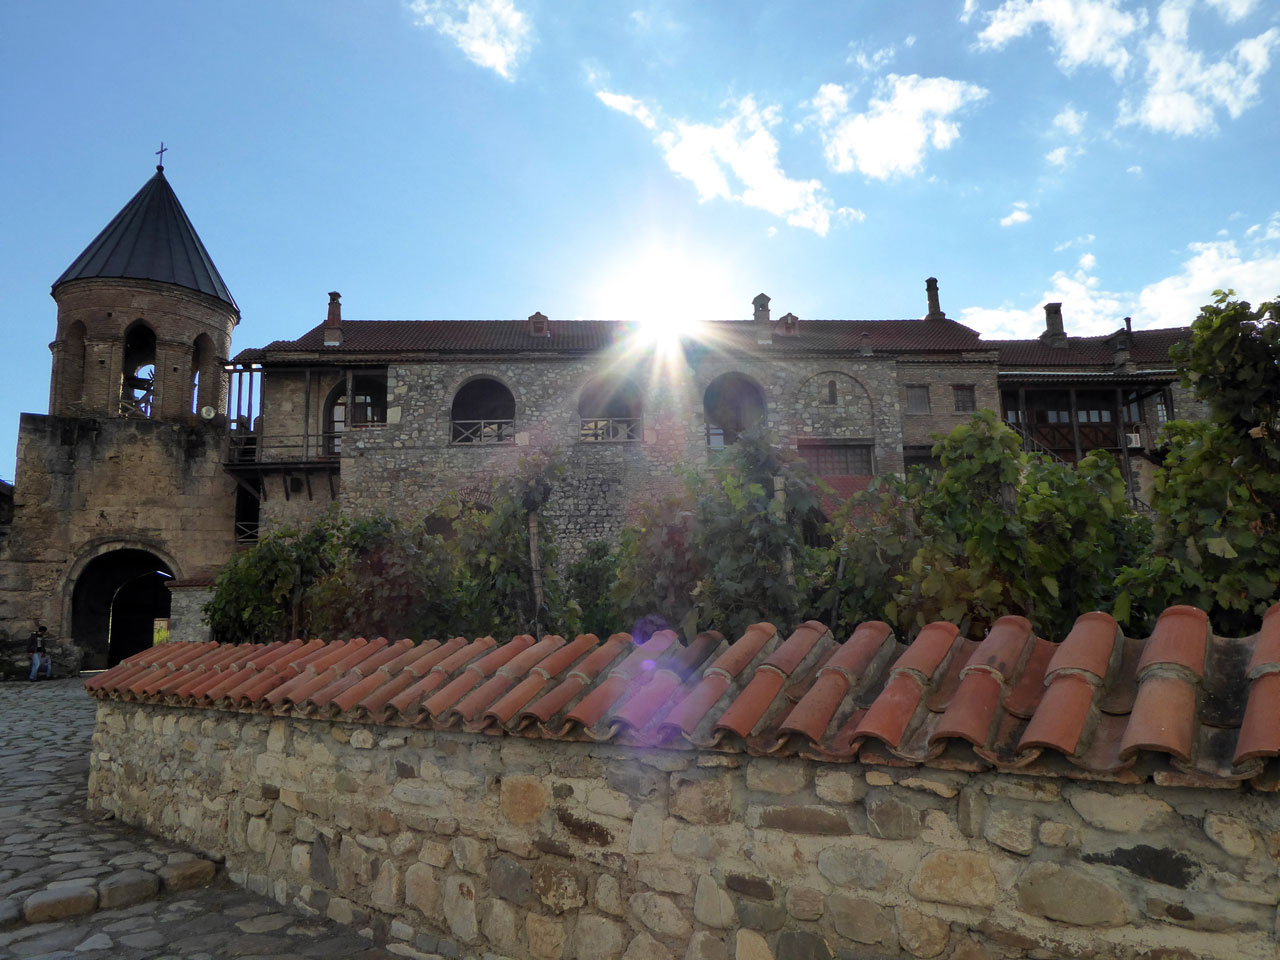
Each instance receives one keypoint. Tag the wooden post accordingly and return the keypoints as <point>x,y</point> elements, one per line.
<point>306,417</point>
<point>1075,424</point>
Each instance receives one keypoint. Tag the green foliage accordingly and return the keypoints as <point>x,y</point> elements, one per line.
<point>995,531</point>
<point>590,583</point>
<point>1218,491</point>
<point>659,565</point>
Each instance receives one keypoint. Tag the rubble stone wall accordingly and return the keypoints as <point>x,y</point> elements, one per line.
<point>461,845</point>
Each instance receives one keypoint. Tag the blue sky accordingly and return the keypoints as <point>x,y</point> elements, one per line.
<point>483,159</point>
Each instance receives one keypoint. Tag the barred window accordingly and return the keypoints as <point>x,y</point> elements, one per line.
<point>917,399</point>
<point>838,459</point>
<point>965,402</point>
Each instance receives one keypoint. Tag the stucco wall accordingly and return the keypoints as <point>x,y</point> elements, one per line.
<point>465,845</point>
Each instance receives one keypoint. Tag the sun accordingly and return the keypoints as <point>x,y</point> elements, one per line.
<point>665,292</point>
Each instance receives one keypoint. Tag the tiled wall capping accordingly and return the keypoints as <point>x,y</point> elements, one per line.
<point>774,796</point>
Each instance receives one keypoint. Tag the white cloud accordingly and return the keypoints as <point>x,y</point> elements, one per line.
<point>1057,156</point>
<point>628,105</point>
<point>1084,32</point>
<point>1017,215</point>
<point>1233,10</point>
<point>1265,231</point>
<point>1070,121</point>
<point>873,61</point>
<point>1183,91</point>
<point>1174,301</point>
<point>1081,241</point>
<point>492,33</point>
<point>737,160</point>
<point>970,8</point>
<point>906,116</point>
<point>1136,170</point>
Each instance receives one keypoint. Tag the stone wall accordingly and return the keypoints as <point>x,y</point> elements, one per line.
<point>451,844</point>
<point>85,487</point>
<point>186,611</point>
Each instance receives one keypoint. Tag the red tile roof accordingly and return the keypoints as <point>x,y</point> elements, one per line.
<point>389,337</point>
<point>1183,707</point>
<point>1145,347</point>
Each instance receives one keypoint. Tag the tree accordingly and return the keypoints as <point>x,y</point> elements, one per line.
<point>1218,491</point>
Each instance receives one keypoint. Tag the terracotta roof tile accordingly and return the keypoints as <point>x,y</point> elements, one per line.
<point>1182,708</point>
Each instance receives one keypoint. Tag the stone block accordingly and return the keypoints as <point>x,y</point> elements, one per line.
<point>126,888</point>
<point>422,889</point>
<point>939,784</point>
<point>1123,813</point>
<point>388,890</point>
<point>545,935</point>
<point>804,903</point>
<point>852,867</point>
<point>646,830</point>
<point>608,895</point>
<point>499,926</point>
<point>459,907</point>
<point>761,915</point>
<point>971,811</point>
<point>839,787</point>
<point>757,888</point>
<point>186,875</point>
<point>644,947</point>
<point>776,776</point>
<point>712,906</point>
<point>609,803</point>
<point>510,880</point>
<point>920,934</point>
<point>894,818</point>
<point>435,853</point>
<point>59,904</point>
<point>749,945</point>
<point>523,799</point>
<point>862,920</point>
<point>1070,896</point>
<point>802,945</point>
<point>818,821</point>
<point>665,878</point>
<point>659,914</point>
<point>1231,834</point>
<point>256,834</point>
<point>1015,832</point>
<point>702,800</point>
<point>596,938</point>
<point>558,887</point>
<point>469,854</point>
<point>706,946</point>
<point>1055,834</point>
<point>959,877</point>
<point>1013,788</point>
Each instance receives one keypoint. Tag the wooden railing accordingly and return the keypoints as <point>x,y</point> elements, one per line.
<point>483,431</point>
<point>609,428</point>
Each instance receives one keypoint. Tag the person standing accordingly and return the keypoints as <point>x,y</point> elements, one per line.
<point>37,646</point>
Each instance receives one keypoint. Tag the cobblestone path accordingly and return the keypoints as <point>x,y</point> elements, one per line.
<point>56,860</point>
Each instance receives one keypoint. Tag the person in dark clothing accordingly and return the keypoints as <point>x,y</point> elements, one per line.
<point>37,646</point>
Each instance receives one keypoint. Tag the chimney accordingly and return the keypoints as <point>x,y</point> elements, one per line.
<point>788,326</point>
<point>1122,344</point>
<point>764,328</point>
<point>539,326</point>
<point>1053,332</point>
<point>333,322</point>
<point>935,311</point>
<point>864,344</point>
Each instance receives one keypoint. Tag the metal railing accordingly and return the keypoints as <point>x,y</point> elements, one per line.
<point>601,429</point>
<point>483,431</point>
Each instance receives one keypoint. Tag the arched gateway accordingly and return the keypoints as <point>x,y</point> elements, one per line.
<point>115,603</point>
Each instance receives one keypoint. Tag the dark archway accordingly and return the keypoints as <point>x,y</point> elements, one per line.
<point>116,601</point>
<point>483,411</point>
<point>733,404</point>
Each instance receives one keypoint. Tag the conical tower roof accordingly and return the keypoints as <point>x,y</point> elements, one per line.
<point>151,239</point>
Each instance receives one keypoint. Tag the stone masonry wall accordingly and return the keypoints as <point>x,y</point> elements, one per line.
<point>462,845</point>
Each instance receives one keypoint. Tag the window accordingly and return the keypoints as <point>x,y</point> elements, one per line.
<point>838,458</point>
<point>1162,408</point>
<point>609,410</point>
<point>368,408</point>
<point>733,404</point>
<point>917,399</point>
<point>965,402</point>
<point>138,378</point>
<point>920,457</point>
<point>831,393</point>
<point>484,411</point>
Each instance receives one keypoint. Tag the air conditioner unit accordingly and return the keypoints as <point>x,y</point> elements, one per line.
<point>1133,439</point>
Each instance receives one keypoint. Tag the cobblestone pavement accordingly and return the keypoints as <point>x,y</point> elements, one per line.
<point>48,842</point>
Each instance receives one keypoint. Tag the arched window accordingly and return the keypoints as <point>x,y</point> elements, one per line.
<point>733,404</point>
<point>609,410</point>
<point>484,411</point>
<point>72,367</point>
<point>368,408</point>
<point>138,376</point>
<point>831,393</point>
<point>204,375</point>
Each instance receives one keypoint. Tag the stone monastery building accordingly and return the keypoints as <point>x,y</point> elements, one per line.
<point>163,451</point>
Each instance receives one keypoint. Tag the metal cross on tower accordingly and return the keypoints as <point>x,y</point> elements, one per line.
<point>160,154</point>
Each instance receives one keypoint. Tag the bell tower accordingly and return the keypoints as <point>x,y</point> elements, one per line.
<point>144,319</point>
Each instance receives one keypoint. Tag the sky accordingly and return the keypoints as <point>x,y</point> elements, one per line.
<point>486,159</point>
